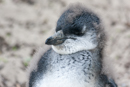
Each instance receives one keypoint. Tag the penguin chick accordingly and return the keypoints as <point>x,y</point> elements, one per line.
<point>75,57</point>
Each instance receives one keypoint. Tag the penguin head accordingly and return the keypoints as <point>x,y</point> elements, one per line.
<point>77,29</point>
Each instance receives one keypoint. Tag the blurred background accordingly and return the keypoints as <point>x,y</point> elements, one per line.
<point>25,25</point>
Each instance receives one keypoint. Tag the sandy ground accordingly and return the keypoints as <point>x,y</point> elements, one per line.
<point>25,25</point>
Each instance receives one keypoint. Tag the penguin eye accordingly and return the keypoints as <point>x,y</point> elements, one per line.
<point>78,30</point>
<point>81,32</point>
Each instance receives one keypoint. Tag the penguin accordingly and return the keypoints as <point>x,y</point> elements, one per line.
<point>76,53</point>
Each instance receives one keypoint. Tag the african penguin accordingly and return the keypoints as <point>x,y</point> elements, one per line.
<point>75,57</point>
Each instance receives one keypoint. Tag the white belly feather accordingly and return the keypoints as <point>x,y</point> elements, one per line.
<point>66,80</point>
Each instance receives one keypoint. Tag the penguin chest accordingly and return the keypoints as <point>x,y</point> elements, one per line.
<point>68,74</point>
<point>69,71</point>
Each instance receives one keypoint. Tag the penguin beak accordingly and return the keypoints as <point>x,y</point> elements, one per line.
<point>56,39</point>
